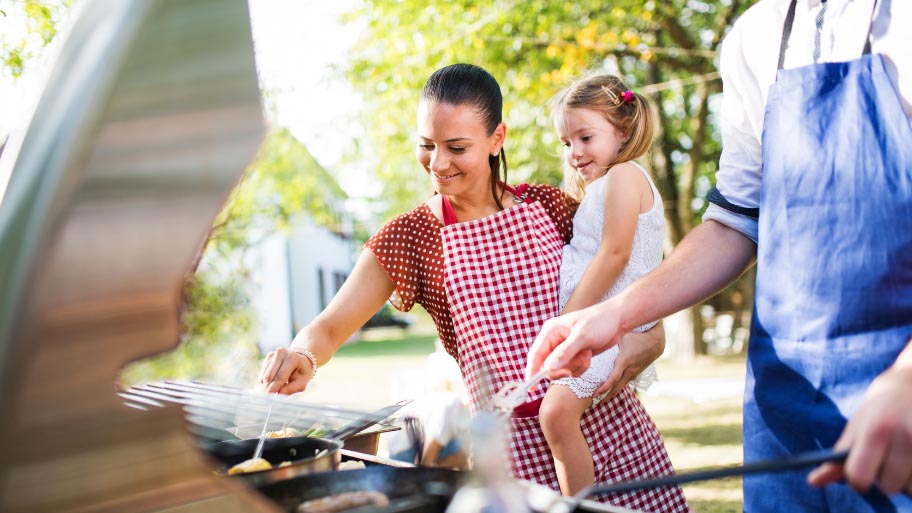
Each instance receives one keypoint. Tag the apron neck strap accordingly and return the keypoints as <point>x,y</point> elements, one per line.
<point>449,215</point>
<point>867,46</point>
<point>786,32</point>
<point>790,20</point>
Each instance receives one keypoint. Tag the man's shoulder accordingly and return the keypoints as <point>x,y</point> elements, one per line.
<point>761,21</point>
<point>750,49</point>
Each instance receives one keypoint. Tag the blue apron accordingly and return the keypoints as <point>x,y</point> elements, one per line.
<point>833,304</point>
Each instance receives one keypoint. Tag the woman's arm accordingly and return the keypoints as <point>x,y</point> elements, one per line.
<point>362,294</point>
<point>625,189</point>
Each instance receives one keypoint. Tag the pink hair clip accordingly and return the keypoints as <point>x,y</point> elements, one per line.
<point>628,96</point>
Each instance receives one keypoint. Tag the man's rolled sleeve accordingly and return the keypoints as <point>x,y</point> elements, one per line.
<point>745,224</point>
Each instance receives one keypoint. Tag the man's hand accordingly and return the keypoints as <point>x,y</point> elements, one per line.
<point>566,344</point>
<point>636,352</point>
<point>879,437</point>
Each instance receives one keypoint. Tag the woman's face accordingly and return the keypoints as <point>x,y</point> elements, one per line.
<point>591,142</point>
<point>453,147</point>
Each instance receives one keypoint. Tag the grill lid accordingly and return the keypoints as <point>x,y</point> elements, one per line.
<point>149,116</point>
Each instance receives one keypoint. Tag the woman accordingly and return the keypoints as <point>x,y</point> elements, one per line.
<point>483,259</point>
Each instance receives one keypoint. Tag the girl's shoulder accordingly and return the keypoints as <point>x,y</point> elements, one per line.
<point>628,174</point>
<point>629,168</point>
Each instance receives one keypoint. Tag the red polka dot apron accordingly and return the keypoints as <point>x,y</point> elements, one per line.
<point>501,275</point>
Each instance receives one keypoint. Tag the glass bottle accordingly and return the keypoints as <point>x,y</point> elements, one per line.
<point>490,488</point>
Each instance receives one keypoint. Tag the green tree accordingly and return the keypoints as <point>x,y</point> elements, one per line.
<point>40,19</point>
<point>667,50</point>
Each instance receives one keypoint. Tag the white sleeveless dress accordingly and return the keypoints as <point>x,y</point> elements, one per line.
<point>645,256</point>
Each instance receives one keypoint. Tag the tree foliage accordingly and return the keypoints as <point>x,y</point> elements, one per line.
<point>667,50</point>
<point>41,18</point>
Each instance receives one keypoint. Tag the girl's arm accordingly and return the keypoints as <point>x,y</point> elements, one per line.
<point>362,294</point>
<point>626,190</point>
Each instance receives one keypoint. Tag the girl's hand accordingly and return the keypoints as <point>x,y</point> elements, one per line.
<point>636,352</point>
<point>285,372</point>
<point>879,437</point>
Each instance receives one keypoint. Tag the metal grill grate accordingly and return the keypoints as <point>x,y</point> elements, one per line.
<point>217,412</point>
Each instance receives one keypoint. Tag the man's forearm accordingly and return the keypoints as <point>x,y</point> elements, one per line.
<point>709,258</point>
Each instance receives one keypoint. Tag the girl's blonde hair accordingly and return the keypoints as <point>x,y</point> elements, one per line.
<point>625,109</point>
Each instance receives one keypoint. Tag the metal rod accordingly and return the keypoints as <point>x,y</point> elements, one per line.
<point>793,462</point>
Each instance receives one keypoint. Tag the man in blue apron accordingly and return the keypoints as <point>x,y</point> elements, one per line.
<point>815,180</point>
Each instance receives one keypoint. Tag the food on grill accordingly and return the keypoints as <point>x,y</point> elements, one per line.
<point>351,465</point>
<point>251,465</point>
<point>283,433</point>
<point>315,431</point>
<point>288,432</point>
<point>344,501</point>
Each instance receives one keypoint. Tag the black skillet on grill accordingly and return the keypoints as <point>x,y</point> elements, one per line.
<point>304,454</point>
<point>300,454</point>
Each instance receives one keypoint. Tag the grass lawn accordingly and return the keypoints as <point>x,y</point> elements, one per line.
<point>701,434</point>
<point>698,434</point>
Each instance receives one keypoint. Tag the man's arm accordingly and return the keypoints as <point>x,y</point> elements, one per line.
<point>709,258</point>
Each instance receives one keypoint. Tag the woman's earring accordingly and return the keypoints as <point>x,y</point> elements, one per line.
<point>496,153</point>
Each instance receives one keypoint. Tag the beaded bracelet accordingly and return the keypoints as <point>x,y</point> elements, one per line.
<point>306,353</point>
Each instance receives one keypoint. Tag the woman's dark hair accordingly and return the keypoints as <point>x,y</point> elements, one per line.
<point>467,84</point>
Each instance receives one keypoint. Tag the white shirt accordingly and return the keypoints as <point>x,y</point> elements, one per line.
<point>750,54</point>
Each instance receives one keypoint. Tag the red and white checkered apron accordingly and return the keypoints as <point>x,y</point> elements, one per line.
<point>501,275</point>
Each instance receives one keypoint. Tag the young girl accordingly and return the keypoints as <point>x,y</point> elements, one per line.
<point>617,237</point>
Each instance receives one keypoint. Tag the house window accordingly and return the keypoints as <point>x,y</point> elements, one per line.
<point>338,280</point>
<point>321,289</point>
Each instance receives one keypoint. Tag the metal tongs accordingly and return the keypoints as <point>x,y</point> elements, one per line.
<point>513,394</point>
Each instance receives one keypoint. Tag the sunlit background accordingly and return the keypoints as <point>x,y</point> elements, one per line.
<point>340,82</point>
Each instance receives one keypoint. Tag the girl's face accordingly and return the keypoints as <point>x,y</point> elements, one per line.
<point>453,147</point>
<point>591,142</point>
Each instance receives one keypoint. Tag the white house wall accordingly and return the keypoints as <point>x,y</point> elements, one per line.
<point>289,294</point>
<point>268,262</point>
<point>311,249</point>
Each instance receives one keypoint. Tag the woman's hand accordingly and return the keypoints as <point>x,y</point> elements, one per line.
<point>285,372</point>
<point>879,437</point>
<point>636,352</point>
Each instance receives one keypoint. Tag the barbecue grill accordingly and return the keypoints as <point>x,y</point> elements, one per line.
<point>145,124</point>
